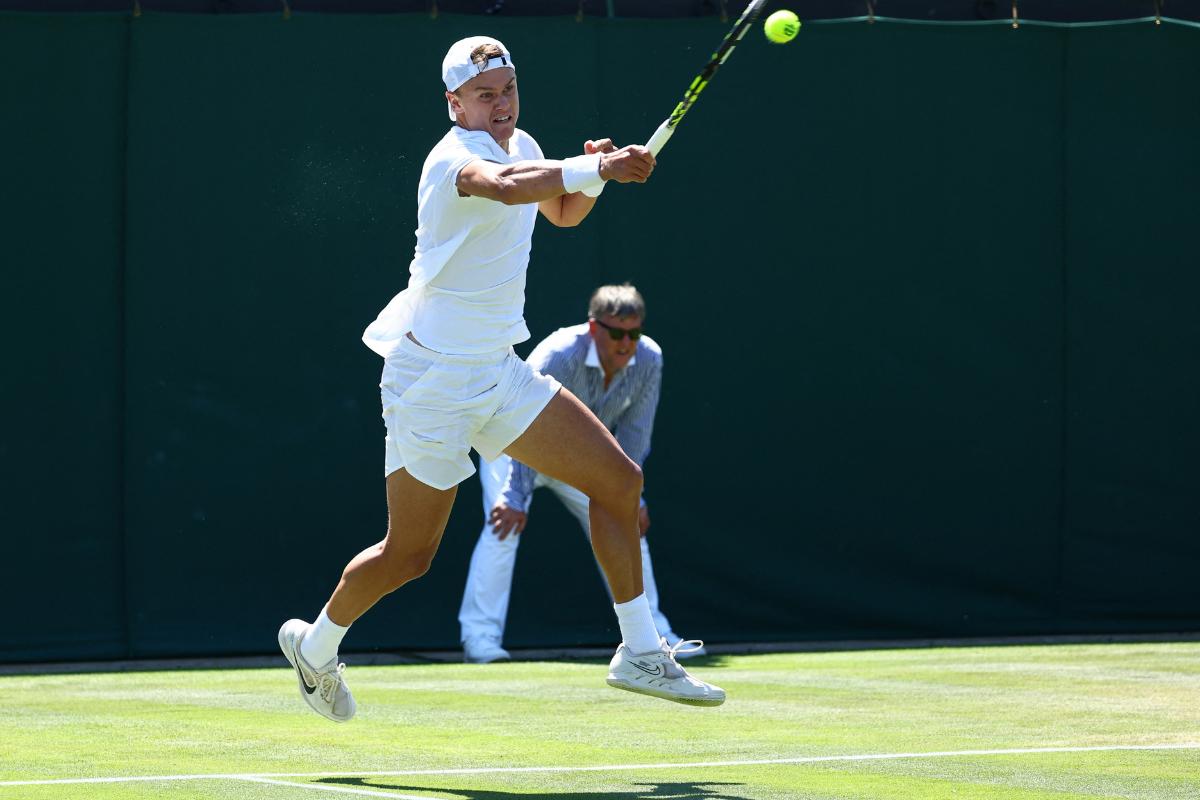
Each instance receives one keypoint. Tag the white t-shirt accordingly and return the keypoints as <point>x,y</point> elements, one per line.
<point>466,287</point>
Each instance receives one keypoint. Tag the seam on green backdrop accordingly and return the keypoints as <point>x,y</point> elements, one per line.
<point>1063,330</point>
<point>1007,23</point>
<point>122,349</point>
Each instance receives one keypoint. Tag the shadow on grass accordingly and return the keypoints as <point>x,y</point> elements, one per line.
<point>687,790</point>
<point>599,657</point>
<point>596,655</point>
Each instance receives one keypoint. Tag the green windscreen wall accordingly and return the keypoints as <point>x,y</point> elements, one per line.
<point>925,295</point>
<point>62,160</point>
<point>1132,470</point>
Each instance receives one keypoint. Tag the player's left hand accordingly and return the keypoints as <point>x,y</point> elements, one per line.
<point>643,520</point>
<point>591,147</point>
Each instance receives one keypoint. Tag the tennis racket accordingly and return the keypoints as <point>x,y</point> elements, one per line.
<point>667,128</point>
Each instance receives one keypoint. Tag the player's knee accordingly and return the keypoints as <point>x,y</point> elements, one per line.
<point>406,567</point>
<point>634,479</point>
<point>417,564</point>
<point>625,486</point>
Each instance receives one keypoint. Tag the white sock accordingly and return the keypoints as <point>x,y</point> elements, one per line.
<point>320,644</point>
<point>637,626</point>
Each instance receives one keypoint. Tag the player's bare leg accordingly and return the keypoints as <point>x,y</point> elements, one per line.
<point>567,442</point>
<point>417,516</point>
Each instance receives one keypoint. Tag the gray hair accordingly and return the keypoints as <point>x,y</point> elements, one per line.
<point>617,301</point>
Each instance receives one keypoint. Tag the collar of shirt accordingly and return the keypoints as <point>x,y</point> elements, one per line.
<point>593,357</point>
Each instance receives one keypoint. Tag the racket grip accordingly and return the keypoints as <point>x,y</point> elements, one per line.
<point>659,138</point>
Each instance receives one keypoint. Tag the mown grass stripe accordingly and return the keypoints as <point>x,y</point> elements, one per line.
<point>265,777</point>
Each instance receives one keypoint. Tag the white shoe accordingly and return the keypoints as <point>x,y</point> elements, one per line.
<point>658,674</point>
<point>484,649</point>
<point>324,689</point>
<point>674,639</point>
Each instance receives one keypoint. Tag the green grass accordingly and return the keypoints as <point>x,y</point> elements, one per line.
<point>443,717</point>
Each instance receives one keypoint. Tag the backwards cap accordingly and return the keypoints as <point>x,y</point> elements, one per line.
<point>458,68</point>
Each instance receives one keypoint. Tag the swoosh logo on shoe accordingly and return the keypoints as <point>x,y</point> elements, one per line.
<point>655,671</point>
<point>303,683</point>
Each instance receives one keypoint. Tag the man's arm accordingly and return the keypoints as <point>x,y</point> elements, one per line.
<point>510,511</point>
<point>568,210</point>
<point>571,209</point>
<point>537,181</point>
<point>636,424</point>
<point>634,428</point>
<point>518,487</point>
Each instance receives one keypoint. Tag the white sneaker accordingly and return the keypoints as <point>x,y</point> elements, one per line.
<point>484,650</point>
<point>674,639</point>
<point>658,674</point>
<point>324,689</point>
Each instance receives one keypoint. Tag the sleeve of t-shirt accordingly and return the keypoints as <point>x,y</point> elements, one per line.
<point>458,153</point>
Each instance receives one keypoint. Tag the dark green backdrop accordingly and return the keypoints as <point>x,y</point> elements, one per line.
<point>927,297</point>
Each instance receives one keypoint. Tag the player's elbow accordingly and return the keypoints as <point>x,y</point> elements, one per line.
<point>563,221</point>
<point>563,213</point>
<point>505,190</point>
<point>509,195</point>
<point>574,215</point>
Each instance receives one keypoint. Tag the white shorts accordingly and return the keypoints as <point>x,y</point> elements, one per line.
<point>437,407</point>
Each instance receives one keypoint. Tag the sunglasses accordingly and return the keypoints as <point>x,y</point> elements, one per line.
<point>617,334</point>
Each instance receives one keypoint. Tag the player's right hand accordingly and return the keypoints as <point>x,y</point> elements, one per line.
<point>630,164</point>
<point>505,520</point>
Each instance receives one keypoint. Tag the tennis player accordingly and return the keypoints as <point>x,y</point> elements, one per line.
<point>451,380</point>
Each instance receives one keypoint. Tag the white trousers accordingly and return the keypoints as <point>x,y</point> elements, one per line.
<point>489,581</point>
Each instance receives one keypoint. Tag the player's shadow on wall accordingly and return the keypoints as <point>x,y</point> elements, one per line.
<point>688,790</point>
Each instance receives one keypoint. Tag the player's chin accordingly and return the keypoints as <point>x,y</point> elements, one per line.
<point>504,126</point>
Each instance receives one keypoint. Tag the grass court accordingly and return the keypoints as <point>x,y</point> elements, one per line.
<point>1061,722</point>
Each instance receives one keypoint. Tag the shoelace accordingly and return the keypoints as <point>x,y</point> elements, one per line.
<point>327,682</point>
<point>682,646</point>
<point>679,647</point>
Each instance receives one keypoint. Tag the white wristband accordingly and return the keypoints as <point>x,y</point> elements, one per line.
<point>581,172</point>
<point>595,191</point>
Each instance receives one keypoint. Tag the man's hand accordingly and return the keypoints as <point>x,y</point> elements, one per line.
<point>598,146</point>
<point>643,520</point>
<point>631,164</point>
<point>505,520</point>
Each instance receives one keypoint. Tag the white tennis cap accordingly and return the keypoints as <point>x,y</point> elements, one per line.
<point>457,67</point>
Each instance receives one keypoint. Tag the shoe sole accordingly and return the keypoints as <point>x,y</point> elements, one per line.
<point>617,683</point>
<point>291,654</point>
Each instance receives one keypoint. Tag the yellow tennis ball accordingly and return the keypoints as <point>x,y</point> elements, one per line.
<point>781,27</point>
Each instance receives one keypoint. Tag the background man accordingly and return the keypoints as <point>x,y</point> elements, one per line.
<point>617,372</point>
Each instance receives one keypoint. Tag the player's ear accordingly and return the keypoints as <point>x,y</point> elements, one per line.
<point>455,103</point>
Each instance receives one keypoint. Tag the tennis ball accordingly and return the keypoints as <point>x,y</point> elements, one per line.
<point>781,27</point>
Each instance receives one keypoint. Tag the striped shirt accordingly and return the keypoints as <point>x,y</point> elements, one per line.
<point>626,407</point>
